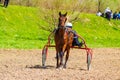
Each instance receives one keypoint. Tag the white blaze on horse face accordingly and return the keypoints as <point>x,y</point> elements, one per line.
<point>62,21</point>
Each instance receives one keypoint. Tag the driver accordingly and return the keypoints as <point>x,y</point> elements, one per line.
<point>75,39</point>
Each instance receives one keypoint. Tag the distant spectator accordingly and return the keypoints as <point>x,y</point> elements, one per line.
<point>115,15</point>
<point>0,1</point>
<point>119,15</point>
<point>108,13</point>
<point>99,13</point>
<point>6,3</point>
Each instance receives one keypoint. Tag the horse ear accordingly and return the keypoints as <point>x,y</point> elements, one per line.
<point>65,14</point>
<point>59,13</point>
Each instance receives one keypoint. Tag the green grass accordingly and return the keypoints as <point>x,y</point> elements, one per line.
<point>19,29</point>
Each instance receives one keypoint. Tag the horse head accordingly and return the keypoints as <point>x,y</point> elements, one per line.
<point>62,19</point>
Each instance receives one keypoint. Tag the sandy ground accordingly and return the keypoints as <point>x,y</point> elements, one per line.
<point>26,65</point>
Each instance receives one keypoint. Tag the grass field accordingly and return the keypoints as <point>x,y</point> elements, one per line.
<point>19,29</point>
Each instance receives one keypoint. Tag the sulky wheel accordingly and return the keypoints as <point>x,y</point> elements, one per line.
<point>44,56</point>
<point>89,58</point>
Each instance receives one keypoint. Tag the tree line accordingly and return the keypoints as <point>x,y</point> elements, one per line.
<point>85,5</point>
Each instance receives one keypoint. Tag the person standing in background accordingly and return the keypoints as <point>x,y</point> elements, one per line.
<point>6,2</point>
<point>107,13</point>
<point>118,16</point>
<point>115,15</point>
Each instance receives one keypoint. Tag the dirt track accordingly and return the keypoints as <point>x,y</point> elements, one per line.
<point>26,65</point>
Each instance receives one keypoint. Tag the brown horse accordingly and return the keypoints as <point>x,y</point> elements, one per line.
<point>63,41</point>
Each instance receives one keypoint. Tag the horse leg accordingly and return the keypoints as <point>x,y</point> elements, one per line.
<point>66,59</point>
<point>62,51</point>
<point>61,58</point>
<point>57,56</point>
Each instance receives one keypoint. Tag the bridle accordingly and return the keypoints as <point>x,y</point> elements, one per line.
<point>62,27</point>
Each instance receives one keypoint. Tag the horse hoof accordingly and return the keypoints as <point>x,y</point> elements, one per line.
<point>60,68</point>
<point>64,67</point>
